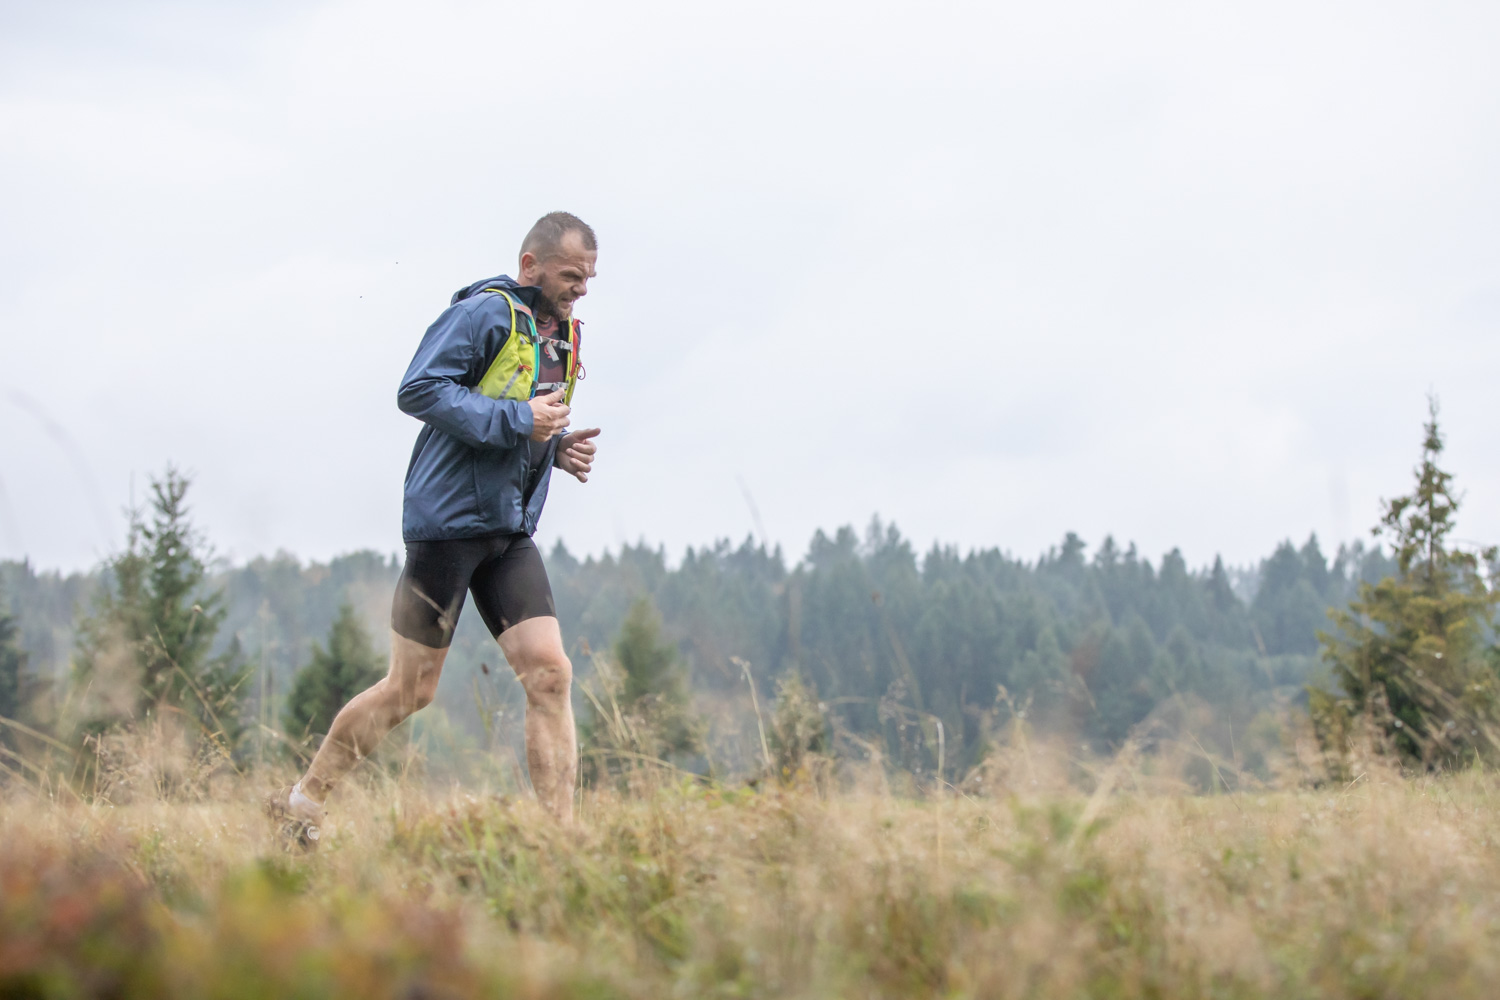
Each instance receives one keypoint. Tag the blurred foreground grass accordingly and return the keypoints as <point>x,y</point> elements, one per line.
<point>1388,888</point>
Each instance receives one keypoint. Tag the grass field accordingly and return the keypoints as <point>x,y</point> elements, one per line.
<point>1384,888</point>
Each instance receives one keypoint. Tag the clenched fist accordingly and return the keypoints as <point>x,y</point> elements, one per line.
<point>549,416</point>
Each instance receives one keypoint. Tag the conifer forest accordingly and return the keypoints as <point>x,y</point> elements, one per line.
<point>1084,639</point>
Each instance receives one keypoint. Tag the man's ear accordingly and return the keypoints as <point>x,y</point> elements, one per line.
<point>528,260</point>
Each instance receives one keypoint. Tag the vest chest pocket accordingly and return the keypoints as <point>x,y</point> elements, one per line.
<point>513,372</point>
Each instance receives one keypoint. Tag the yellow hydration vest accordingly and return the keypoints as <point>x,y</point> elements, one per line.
<point>512,375</point>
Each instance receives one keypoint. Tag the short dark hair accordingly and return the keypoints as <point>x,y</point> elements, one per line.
<point>547,235</point>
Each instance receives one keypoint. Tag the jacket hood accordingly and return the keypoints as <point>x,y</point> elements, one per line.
<point>504,281</point>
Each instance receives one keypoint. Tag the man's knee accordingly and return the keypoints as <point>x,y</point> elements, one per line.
<point>400,701</point>
<point>412,682</point>
<point>548,679</point>
<point>424,696</point>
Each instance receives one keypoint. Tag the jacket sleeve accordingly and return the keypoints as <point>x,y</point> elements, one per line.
<point>434,390</point>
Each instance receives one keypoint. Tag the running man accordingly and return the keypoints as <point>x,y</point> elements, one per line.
<point>491,382</point>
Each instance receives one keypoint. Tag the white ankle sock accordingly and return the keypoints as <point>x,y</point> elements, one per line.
<point>298,793</point>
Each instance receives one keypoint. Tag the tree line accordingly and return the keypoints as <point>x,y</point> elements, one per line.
<point>922,659</point>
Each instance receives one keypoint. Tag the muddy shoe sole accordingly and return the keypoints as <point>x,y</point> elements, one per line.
<point>296,834</point>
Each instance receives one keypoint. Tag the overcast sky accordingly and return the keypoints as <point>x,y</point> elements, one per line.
<point>1180,272</point>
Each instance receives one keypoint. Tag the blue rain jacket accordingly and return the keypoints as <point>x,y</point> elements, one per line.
<point>470,473</point>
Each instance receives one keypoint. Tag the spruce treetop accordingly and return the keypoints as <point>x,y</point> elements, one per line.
<point>1412,654</point>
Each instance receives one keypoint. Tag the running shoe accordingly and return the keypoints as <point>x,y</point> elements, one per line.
<point>298,819</point>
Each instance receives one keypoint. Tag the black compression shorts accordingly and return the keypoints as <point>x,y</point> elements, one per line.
<point>503,572</point>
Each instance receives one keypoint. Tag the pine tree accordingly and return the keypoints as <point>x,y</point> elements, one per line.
<point>1411,653</point>
<point>655,686</point>
<point>1230,624</point>
<point>12,669</point>
<point>1288,605</point>
<point>346,667</point>
<point>649,661</point>
<point>147,645</point>
<point>182,620</point>
<point>644,705</point>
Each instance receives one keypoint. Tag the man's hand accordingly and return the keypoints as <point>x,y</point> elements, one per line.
<point>575,453</point>
<point>549,416</point>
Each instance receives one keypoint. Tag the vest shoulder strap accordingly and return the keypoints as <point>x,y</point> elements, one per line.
<point>515,306</point>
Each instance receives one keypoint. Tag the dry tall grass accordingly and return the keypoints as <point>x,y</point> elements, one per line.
<point>1383,888</point>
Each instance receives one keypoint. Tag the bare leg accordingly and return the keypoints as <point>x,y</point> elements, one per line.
<point>534,650</point>
<point>370,715</point>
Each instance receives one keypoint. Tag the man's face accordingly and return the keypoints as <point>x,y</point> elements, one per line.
<point>563,277</point>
